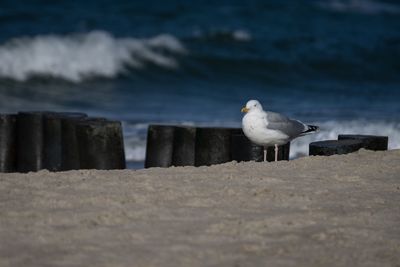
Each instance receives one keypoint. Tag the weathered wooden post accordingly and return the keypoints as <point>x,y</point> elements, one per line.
<point>52,142</point>
<point>69,142</point>
<point>160,146</point>
<point>371,142</point>
<point>332,147</point>
<point>213,146</point>
<point>184,146</point>
<point>8,143</point>
<point>101,144</point>
<point>29,141</point>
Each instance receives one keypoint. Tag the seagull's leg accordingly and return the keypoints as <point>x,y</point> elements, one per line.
<point>276,152</point>
<point>265,154</point>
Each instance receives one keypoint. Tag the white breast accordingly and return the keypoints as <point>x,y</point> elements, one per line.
<point>255,128</point>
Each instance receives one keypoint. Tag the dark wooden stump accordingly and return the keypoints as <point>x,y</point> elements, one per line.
<point>332,147</point>
<point>69,142</point>
<point>29,141</point>
<point>8,144</point>
<point>184,146</point>
<point>160,145</point>
<point>213,146</point>
<point>52,142</point>
<point>371,142</point>
<point>101,145</point>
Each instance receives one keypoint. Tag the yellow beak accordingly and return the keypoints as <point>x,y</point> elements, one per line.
<point>244,110</point>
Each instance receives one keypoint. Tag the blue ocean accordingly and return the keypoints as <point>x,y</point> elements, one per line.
<point>332,63</point>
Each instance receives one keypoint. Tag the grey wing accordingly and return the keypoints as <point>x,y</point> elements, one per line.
<point>292,128</point>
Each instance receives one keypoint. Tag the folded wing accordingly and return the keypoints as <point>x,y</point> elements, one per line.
<point>292,128</point>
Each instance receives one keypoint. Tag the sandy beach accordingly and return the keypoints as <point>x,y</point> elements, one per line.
<point>314,211</point>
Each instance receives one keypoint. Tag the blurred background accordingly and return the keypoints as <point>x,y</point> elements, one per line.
<point>334,63</point>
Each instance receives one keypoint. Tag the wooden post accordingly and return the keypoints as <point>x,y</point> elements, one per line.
<point>332,147</point>
<point>101,144</point>
<point>29,141</point>
<point>371,142</point>
<point>52,142</point>
<point>8,143</point>
<point>69,142</point>
<point>160,145</point>
<point>213,146</point>
<point>184,146</point>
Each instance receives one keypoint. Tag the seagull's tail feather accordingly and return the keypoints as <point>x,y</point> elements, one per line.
<point>310,129</point>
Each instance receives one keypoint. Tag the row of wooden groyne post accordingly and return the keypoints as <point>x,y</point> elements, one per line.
<point>197,146</point>
<point>31,141</point>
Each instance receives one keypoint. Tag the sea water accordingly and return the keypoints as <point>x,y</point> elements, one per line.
<point>332,63</point>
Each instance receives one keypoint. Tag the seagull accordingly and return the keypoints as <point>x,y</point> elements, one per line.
<point>266,128</point>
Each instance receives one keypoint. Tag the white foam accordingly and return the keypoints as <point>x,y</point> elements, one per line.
<point>368,7</point>
<point>135,141</point>
<point>242,35</point>
<point>79,56</point>
<point>135,153</point>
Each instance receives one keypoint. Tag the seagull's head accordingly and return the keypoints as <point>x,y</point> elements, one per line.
<point>252,105</point>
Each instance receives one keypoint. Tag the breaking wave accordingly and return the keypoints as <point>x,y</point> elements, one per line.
<point>77,57</point>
